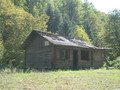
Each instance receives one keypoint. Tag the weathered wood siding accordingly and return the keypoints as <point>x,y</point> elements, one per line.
<point>68,64</point>
<point>84,63</point>
<point>63,64</point>
<point>96,58</point>
<point>38,55</point>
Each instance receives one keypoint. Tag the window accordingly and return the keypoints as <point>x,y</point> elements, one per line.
<point>64,54</point>
<point>84,55</point>
<point>46,43</point>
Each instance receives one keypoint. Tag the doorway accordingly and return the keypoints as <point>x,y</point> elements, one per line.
<point>75,59</point>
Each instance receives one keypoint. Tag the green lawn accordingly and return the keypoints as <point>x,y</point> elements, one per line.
<point>62,80</point>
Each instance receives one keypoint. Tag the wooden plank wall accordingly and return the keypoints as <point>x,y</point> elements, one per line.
<point>38,55</point>
<point>96,58</point>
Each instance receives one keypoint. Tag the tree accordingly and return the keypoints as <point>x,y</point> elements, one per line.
<point>93,22</point>
<point>112,35</point>
<point>36,7</point>
<point>19,3</point>
<point>16,24</point>
<point>81,34</point>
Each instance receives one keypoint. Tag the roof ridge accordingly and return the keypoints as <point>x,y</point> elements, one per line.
<point>46,33</point>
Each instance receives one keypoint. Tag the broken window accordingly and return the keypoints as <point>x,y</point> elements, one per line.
<point>84,55</point>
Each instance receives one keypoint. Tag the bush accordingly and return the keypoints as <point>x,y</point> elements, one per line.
<point>115,63</point>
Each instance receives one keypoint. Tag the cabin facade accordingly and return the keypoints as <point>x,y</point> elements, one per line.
<point>48,51</point>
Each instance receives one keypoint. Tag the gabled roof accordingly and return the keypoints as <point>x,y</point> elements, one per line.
<point>64,41</point>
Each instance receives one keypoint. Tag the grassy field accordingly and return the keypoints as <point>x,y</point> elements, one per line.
<point>61,80</point>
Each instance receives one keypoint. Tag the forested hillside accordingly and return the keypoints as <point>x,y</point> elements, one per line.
<point>72,18</point>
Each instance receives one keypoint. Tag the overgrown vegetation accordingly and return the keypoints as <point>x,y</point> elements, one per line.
<point>61,80</point>
<point>72,18</point>
<point>115,63</point>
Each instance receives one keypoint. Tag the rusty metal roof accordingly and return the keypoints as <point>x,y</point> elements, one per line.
<point>60,40</point>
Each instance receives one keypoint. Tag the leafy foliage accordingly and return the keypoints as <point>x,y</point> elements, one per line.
<point>81,34</point>
<point>72,18</point>
<point>114,63</point>
<point>16,24</point>
<point>112,36</point>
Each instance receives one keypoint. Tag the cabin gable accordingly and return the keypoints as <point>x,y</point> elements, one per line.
<point>38,54</point>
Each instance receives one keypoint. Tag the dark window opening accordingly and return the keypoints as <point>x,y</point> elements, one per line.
<point>84,55</point>
<point>64,54</point>
<point>75,59</point>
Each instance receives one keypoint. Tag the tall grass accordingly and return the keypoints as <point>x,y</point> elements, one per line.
<point>60,80</point>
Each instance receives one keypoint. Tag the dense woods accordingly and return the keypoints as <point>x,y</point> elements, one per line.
<point>72,18</point>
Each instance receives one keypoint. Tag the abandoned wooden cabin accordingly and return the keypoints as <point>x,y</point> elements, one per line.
<point>48,51</point>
